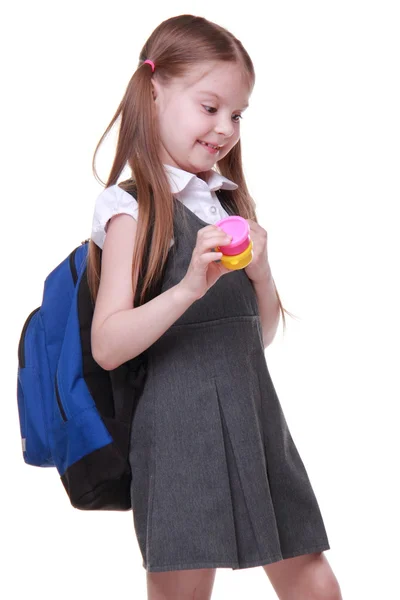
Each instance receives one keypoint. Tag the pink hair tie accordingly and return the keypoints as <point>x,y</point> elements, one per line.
<point>150,63</point>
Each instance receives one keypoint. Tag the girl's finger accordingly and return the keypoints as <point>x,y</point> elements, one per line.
<point>214,233</point>
<point>209,257</point>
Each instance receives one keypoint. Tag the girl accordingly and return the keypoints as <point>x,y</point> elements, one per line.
<point>217,480</point>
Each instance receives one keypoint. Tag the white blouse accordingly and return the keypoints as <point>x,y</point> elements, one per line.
<point>198,195</point>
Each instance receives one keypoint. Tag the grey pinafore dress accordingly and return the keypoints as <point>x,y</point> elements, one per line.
<point>217,480</point>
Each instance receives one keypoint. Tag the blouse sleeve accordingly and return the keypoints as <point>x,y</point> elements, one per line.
<point>111,201</point>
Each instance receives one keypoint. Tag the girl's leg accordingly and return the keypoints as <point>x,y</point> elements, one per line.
<point>305,577</point>
<point>191,584</point>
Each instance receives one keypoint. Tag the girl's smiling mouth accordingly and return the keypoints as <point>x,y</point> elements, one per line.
<point>210,147</point>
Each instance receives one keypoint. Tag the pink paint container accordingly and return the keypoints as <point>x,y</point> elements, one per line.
<point>239,253</point>
<point>239,229</point>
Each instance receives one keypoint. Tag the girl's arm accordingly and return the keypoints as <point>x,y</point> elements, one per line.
<point>120,332</point>
<point>259,273</point>
<point>268,307</point>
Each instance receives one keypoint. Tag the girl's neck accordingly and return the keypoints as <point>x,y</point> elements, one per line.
<point>203,175</point>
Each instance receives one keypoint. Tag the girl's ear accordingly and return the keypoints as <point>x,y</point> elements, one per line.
<point>154,89</point>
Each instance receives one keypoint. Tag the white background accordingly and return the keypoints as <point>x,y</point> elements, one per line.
<point>321,155</point>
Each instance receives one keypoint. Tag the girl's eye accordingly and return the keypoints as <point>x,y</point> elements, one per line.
<point>211,108</point>
<point>214,109</point>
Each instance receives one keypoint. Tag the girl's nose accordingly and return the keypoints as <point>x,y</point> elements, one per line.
<point>225,127</point>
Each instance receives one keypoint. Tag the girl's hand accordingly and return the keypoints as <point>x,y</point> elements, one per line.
<point>259,268</point>
<point>203,272</point>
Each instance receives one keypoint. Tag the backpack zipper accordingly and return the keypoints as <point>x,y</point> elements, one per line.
<point>21,345</point>
<point>72,266</point>
<point>74,274</point>
<point>58,399</point>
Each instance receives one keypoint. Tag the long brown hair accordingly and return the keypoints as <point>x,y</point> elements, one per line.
<point>175,46</point>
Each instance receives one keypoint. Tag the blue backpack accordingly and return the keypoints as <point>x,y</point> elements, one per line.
<point>73,414</point>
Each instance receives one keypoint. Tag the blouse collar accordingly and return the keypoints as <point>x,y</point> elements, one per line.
<point>180,179</point>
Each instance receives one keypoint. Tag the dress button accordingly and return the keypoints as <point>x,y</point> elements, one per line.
<point>213,209</point>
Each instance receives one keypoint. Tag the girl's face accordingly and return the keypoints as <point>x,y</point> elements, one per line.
<point>202,107</point>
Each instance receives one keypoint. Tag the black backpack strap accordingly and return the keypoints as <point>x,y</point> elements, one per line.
<point>114,391</point>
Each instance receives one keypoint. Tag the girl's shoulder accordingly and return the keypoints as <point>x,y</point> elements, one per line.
<point>111,201</point>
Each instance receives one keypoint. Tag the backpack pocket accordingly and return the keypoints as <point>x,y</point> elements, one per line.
<point>34,392</point>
